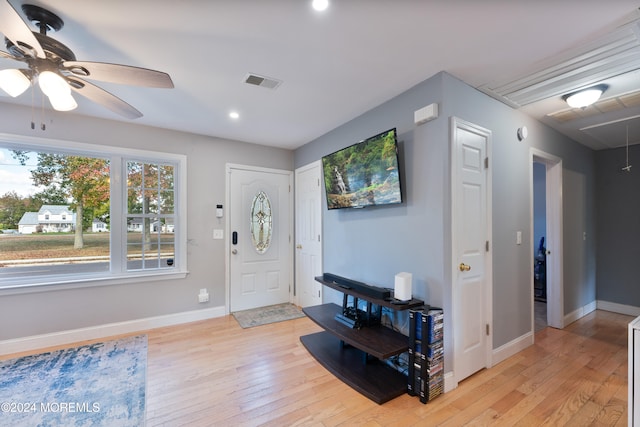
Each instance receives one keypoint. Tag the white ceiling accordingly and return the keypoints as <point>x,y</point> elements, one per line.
<point>333,65</point>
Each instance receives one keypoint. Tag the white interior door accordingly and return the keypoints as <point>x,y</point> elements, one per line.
<point>259,242</point>
<point>308,234</point>
<point>471,231</point>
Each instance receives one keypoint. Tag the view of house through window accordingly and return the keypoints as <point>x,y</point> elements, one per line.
<point>150,200</point>
<point>57,215</point>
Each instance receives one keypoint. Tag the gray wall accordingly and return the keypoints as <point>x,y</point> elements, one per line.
<point>618,213</point>
<point>47,312</point>
<point>375,243</point>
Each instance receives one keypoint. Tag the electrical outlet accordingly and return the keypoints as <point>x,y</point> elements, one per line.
<point>203,296</point>
<point>218,233</point>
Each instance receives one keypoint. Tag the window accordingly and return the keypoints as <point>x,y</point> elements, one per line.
<point>89,214</point>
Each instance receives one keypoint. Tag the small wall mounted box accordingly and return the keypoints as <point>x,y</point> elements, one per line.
<point>425,114</point>
<point>219,211</point>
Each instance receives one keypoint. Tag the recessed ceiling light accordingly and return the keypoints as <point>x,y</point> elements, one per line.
<point>234,115</point>
<point>320,5</point>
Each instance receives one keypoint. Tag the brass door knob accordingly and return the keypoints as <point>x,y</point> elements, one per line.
<point>298,246</point>
<point>464,267</point>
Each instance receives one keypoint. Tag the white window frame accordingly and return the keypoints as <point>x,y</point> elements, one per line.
<point>118,273</point>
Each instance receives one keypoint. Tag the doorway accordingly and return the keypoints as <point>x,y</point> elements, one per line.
<point>259,246</point>
<point>539,245</point>
<point>551,168</point>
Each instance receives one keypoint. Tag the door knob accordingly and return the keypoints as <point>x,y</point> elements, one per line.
<point>464,267</point>
<point>298,246</point>
<point>235,251</point>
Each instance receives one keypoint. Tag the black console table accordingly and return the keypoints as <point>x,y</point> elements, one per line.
<point>345,351</point>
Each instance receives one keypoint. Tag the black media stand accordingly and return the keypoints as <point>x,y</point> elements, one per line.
<point>345,350</point>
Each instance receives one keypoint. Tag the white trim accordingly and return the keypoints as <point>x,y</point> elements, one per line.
<point>614,307</point>
<point>450,382</point>
<point>579,313</point>
<point>35,342</point>
<point>512,347</point>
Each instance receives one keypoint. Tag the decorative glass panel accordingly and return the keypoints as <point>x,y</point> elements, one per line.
<point>261,222</point>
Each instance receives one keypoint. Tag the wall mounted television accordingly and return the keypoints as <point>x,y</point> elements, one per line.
<point>364,174</point>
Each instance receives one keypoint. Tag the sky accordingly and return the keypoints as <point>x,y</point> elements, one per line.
<point>15,177</point>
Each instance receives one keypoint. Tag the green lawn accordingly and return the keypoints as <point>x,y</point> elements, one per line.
<point>59,245</point>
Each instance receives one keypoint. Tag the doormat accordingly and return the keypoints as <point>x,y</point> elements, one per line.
<point>265,315</point>
<point>101,384</point>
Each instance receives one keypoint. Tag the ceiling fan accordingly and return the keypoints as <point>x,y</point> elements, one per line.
<point>54,66</point>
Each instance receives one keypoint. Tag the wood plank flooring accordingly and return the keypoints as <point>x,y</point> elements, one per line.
<point>214,373</point>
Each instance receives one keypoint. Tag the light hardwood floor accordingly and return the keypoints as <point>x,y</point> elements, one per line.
<point>214,373</point>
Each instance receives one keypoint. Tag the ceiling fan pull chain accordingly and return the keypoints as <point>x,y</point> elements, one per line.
<point>42,125</point>
<point>33,124</point>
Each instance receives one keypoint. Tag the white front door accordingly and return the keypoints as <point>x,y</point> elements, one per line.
<point>259,245</point>
<point>308,234</point>
<point>471,231</point>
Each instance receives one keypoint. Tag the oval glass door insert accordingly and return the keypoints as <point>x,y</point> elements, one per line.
<point>261,222</point>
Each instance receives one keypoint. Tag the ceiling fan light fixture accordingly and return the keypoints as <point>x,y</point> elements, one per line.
<point>585,97</point>
<point>14,82</point>
<point>57,90</point>
<point>63,102</point>
<point>53,84</point>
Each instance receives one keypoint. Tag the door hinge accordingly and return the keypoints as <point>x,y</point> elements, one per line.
<point>318,294</point>
<point>486,163</point>
<point>486,246</point>
<point>318,237</point>
<point>488,330</point>
<point>318,182</point>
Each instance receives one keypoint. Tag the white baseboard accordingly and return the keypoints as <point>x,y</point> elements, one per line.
<point>450,382</point>
<point>35,342</point>
<point>512,347</point>
<point>618,308</point>
<point>579,313</point>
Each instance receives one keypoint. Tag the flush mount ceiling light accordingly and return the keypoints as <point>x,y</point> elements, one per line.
<point>320,5</point>
<point>585,97</point>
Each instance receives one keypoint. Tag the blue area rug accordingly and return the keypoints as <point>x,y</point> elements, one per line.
<point>102,384</point>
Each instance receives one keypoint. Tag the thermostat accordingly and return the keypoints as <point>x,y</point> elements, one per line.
<point>219,211</point>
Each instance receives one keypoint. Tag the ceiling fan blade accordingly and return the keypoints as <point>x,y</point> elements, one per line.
<point>16,30</point>
<point>121,74</point>
<point>104,98</point>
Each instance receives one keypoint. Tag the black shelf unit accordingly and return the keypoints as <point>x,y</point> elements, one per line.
<point>356,355</point>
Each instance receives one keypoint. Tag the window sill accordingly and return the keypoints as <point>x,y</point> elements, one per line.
<point>75,282</point>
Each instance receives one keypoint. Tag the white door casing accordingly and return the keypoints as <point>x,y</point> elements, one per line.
<point>258,278</point>
<point>308,253</point>
<point>471,258</point>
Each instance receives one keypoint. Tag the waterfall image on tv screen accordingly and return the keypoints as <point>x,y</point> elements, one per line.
<point>364,174</point>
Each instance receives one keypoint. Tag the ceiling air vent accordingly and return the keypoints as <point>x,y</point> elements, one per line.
<point>262,81</point>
